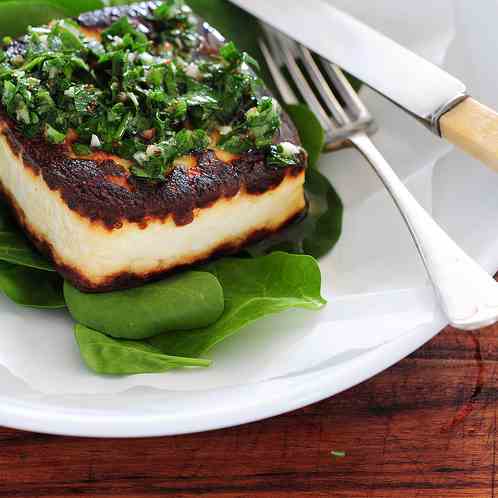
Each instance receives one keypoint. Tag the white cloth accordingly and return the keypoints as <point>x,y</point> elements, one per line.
<point>374,280</point>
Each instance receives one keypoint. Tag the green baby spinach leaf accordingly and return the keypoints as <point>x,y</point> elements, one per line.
<point>253,288</point>
<point>75,7</point>
<point>105,355</point>
<point>17,15</point>
<point>322,228</point>
<point>186,301</point>
<point>318,232</point>
<point>29,287</point>
<point>310,131</point>
<point>234,23</point>
<point>15,248</point>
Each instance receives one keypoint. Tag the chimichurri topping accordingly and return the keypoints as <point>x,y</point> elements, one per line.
<point>150,96</point>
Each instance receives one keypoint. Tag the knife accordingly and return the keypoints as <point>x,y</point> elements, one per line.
<point>436,98</point>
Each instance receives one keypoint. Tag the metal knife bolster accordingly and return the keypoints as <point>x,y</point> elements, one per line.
<point>421,88</point>
<point>433,121</point>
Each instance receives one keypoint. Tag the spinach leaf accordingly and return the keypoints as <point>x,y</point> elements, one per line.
<point>234,23</point>
<point>71,7</point>
<point>105,355</point>
<point>319,231</point>
<point>310,131</point>
<point>15,248</point>
<point>28,287</point>
<point>17,15</point>
<point>186,301</point>
<point>253,288</point>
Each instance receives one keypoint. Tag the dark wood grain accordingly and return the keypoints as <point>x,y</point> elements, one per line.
<point>425,428</point>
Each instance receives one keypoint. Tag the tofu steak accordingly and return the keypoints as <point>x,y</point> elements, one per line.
<point>111,219</point>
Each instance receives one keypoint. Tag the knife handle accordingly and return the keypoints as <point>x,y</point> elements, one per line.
<point>473,127</point>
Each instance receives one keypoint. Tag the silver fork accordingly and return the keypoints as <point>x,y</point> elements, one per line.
<point>467,294</point>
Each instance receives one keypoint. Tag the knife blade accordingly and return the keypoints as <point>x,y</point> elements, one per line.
<point>402,76</point>
<point>423,89</point>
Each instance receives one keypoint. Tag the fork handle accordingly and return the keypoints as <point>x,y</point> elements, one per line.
<point>467,294</point>
<point>474,128</point>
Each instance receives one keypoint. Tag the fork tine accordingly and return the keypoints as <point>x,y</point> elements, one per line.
<point>286,92</point>
<point>273,43</point>
<point>337,106</point>
<point>303,86</point>
<point>346,91</point>
<point>322,86</point>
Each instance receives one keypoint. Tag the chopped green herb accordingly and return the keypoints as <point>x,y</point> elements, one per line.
<point>263,121</point>
<point>81,149</point>
<point>235,143</point>
<point>234,57</point>
<point>177,23</point>
<point>148,97</point>
<point>258,129</point>
<point>54,136</point>
<point>158,159</point>
<point>284,154</point>
<point>338,454</point>
<point>84,97</point>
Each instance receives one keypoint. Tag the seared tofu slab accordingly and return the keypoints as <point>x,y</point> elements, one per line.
<point>134,141</point>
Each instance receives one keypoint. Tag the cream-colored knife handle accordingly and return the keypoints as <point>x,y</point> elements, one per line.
<point>474,128</point>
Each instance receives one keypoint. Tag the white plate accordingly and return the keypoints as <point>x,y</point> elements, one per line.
<point>380,308</point>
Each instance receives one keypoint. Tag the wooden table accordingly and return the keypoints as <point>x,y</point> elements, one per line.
<point>424,428</point>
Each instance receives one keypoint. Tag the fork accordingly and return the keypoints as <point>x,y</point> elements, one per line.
<point>467,294</point>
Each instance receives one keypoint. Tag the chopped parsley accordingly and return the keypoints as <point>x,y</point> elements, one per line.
<point>338,454</point>
<point>283,154</point>
<point>257,129</point>
<point>150,98</point>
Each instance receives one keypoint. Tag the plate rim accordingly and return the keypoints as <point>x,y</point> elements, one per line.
<point>296,392</point>
<point>320,385</point>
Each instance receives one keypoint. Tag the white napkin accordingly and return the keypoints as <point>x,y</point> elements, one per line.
<point>373,279</point>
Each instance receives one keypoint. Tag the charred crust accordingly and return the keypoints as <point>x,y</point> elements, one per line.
<point>126,280</point>
<point>17,212</point>
<point>102,191</point>
<point>17,47</point>
<point>90,188</point>
<point>11,141</point>
<point>139,13</point>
